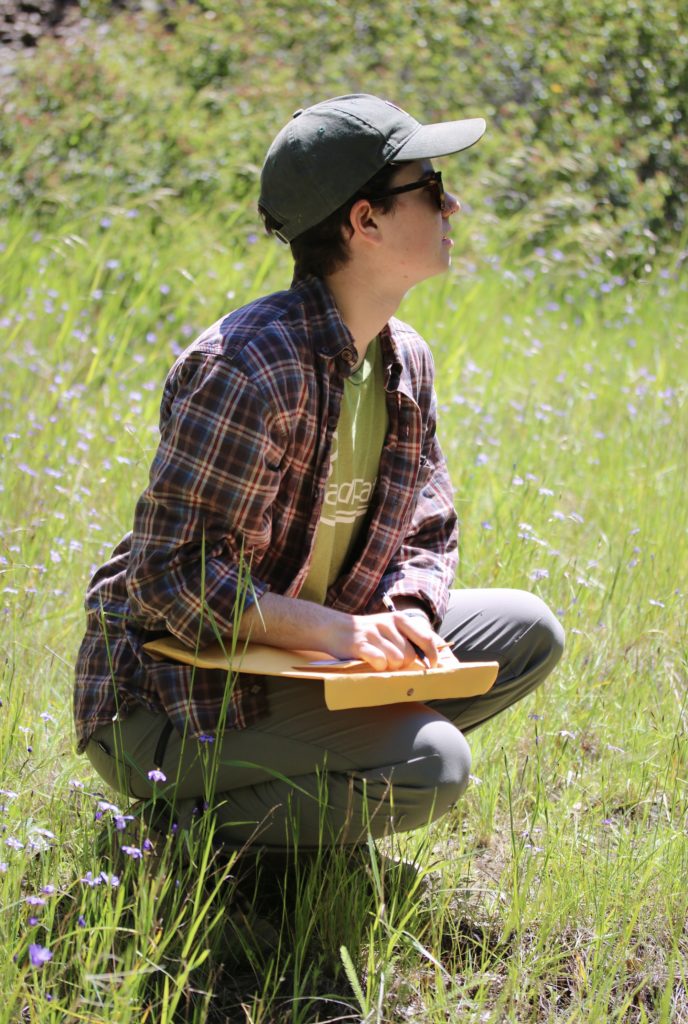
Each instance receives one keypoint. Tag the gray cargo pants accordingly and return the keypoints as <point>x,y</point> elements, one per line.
<point>334,776</point>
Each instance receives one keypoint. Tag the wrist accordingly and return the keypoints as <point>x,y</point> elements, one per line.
<point>418,613</point>
<point>411,606</point>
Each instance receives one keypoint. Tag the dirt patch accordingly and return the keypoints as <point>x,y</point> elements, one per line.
<point>23,22</point>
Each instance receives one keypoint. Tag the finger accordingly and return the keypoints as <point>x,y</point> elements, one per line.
<point>422,635</point>
<point>382,660</point>
<point>373,657</point>
<point>390,649</point>
<point>412,656</point>
<point>412,651</point>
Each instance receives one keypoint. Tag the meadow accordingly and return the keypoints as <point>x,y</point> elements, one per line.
<point>558,886</point>
<point>556,890</point>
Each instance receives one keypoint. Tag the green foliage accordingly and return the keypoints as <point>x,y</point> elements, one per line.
<point>586,103</point>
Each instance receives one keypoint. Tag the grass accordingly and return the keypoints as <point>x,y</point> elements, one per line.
<point>558,892</point>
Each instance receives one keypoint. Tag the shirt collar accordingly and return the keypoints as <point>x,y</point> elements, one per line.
<point>391,359</point>
<point>331,337</point>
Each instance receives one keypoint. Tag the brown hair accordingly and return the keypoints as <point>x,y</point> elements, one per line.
<point>324,248</point>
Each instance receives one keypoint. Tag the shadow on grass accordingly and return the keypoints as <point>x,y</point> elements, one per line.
<point>183,935</point>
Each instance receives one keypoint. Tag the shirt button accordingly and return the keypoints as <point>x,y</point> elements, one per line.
<point>349,356</point>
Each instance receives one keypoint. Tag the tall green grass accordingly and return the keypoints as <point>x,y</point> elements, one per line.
<point>556,889</point>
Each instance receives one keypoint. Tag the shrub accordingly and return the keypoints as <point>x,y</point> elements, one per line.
<point>586,105</point>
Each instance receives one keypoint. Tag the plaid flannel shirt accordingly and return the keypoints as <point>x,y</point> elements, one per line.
<point>247,418</point>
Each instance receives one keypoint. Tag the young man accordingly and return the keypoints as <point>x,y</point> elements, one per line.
<point>298,435</point>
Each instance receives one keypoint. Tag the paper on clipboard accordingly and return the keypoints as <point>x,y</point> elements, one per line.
<point>346,684</point>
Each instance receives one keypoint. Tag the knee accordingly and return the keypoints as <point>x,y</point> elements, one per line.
<point>541,627</point>
<point>551,635</point>
<point>431,778</point>
<point>443,765</point>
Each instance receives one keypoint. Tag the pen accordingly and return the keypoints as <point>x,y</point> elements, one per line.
<point>420,654</point>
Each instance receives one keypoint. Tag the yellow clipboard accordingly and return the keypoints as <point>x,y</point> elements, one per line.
<point>347,684</point>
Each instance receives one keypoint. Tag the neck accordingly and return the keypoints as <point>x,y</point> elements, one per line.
<point>364,305</point>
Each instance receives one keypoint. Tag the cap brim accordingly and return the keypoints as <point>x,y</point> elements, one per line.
<point>431,140</point>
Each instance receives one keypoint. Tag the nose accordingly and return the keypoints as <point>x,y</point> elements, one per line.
<point>451,204</point>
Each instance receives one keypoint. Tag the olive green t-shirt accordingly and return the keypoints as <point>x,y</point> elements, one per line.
<point>354,460</point>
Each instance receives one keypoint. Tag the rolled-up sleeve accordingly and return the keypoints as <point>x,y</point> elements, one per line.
<point>207,507</point>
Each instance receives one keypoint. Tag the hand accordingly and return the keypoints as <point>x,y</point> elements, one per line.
<point>383,640</point>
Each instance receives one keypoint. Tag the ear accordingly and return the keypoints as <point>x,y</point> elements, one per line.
<point>365,222</point>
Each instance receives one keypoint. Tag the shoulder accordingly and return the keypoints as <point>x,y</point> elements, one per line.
<point>260,337</point>
<point>264,344</point>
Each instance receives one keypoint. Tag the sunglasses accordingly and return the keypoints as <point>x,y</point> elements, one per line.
<point>433,182</point>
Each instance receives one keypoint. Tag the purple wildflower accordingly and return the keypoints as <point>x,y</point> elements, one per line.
<point>39,955</point>
<point>103,805</point>
<point>155,775</point>
<point>132,851</point>
<point>92,882</point>
<point>44,832</point>
<point>539,574</point>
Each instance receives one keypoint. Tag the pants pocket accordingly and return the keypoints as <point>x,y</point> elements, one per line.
<point>100,752</point>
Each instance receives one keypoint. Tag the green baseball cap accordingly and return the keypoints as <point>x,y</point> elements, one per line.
<point>328,151</point>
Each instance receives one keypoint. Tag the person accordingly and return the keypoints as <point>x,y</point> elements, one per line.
<point>297,482</point>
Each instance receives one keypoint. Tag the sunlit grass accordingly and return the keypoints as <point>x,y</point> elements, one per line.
<point>560,892</point>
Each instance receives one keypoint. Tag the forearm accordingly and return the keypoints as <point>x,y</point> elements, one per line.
<point>289,622</point>
<point>382,640</point>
